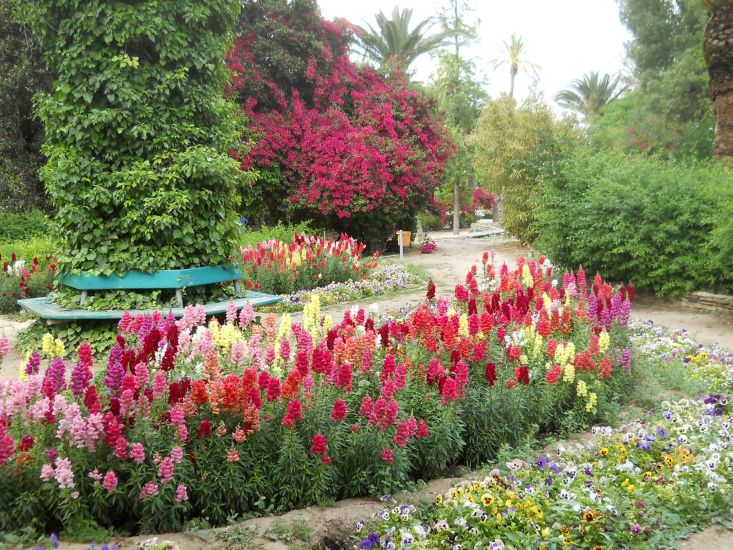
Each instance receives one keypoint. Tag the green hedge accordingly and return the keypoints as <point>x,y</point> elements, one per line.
<point>657,223</point>
<point>19,226</point>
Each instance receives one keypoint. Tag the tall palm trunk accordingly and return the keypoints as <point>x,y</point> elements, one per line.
<point>512,77</point>
<point>718,49</point>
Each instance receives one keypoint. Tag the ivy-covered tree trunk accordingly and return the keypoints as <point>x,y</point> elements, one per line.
<point>718,48</point>
<point>138,132</point>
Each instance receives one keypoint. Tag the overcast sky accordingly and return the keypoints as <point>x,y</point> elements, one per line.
<point>566,38</point>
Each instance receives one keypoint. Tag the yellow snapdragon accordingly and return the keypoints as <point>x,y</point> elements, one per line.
<point>312,315</point>
<point>463,326</point>
<point>592,400</point>
<point>537,347</point>
<point>283,331</point>
<point>568,374</point>
<point>47,344</point>
<point>604,340</point>
<point>581,389</point>
<point>527,279</point>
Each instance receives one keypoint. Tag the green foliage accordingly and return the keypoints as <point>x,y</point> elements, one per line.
<point>657,223</point>
<point>138,131</point>
<point>27,249</point>
<point>20,226</point>
<point>669,111</point>
<point>517,149</point>
<point>393,41</point>
<point>430,221</point>
<point>100,334</point>
<point>283,231</point>
<point>22,74</point>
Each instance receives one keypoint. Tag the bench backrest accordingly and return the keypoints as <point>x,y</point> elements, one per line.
<point>169,278</point>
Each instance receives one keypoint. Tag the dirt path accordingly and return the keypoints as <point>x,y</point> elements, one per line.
<point>447,266</point>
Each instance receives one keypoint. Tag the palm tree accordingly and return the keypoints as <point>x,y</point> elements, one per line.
<point>393,41</point>
<point>718,51</point>
<point>588,95</point>
<point>515,52</point>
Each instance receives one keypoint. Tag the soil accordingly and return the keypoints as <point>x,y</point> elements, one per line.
<point>332,526</point>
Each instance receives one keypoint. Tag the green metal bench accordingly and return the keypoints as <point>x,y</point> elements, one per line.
<point>170,279</point>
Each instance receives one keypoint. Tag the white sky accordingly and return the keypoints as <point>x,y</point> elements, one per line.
<point>566,38</point>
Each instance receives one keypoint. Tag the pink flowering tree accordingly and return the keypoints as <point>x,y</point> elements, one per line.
<point>351,147</point>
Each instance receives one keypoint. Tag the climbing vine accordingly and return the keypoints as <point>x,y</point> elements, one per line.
<point>138,133</point>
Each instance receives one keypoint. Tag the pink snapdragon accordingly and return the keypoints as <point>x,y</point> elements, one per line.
<point>181,493</point>
<point>150,489</point>
<point>64,474</point>
<point>110,481</point>
<point>165,470</point>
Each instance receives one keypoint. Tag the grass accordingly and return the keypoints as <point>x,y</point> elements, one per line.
<point>295,535</point>
<point>238,537</point>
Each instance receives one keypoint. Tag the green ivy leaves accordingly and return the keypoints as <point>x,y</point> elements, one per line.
<point>138,133</point>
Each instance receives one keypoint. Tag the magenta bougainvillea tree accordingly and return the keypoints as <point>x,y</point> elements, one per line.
<point>347,145</point>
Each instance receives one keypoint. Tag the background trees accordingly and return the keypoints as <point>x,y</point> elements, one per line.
<point>515,59</point>
<point>394,41</point>
<point>22,74</point>
<point>588,95</point>
<point>460,96</point>
<point>668,110</point>
<point>718,49</point>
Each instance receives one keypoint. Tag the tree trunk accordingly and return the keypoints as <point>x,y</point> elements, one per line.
<point>512,78</point>
<point>456,207</point>
<point>718,49</point>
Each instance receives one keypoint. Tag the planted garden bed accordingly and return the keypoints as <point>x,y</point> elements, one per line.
<point>191,419</point>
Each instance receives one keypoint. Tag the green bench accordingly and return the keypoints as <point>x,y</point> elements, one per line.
<point>177,279</point>
<point>168,278</point>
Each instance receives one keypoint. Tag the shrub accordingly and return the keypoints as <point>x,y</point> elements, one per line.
<point>138,132</point>
<point>18,226</point>
<point>282,231</point>
<point>431,221</point>
<point>517,149</point>
<point>24,277</point>
<point>654,222</point>
<point>194,420</point>
<point>304,262</point>
<point>343,144</point>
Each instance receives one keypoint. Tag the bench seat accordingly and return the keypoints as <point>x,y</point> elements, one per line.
<point>167,278</point>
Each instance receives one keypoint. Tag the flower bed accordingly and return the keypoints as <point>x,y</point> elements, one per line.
<point>382,280</point>
<point>206,420</point>
<point>640,485</point>
<point>24,278</point>
<point>307,262</point>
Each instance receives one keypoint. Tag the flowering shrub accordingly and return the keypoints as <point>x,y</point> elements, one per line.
<point>335,142</point>
<point>428,246</point>
<point>21,278</point>
<point>195,419</point>
<point>307,262</point>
